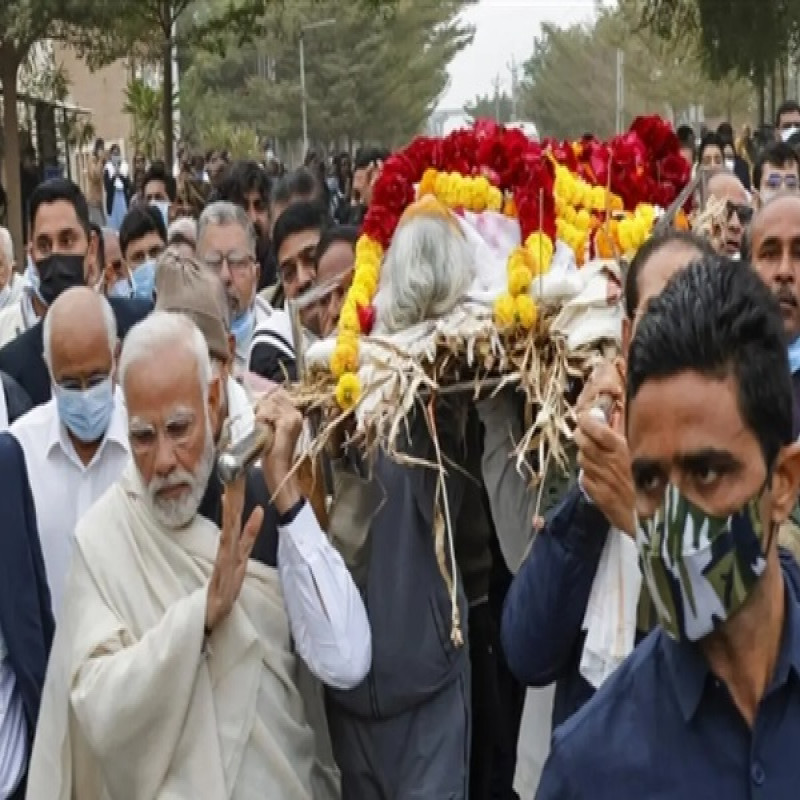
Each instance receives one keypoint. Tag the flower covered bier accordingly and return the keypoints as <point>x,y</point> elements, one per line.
<point>587,199</point>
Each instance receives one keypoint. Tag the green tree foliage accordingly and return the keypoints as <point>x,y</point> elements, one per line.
<point>373,75</point>
<point>22,24</point>
<point>570,80</point>
<point>497,105</point>
<point>753,40</point>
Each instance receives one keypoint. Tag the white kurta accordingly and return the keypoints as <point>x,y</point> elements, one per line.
<point>133,707</point>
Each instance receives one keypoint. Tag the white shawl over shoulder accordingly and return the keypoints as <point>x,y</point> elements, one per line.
<point>133,709</point>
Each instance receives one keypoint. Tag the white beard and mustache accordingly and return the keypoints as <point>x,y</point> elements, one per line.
<point>175,513</point>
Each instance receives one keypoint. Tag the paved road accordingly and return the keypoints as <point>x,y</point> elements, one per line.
<point>534,741</point>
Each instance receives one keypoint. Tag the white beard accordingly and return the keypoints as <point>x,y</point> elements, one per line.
<point>179,512</point>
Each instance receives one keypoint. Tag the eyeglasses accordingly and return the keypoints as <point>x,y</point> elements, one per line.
<point>290,266</point>
<point>177,429</point>
<point>776,181</point>
<point>236,260</point>
<point>742,211</point>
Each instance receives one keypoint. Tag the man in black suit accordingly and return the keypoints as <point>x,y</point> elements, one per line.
<point>61,249</point>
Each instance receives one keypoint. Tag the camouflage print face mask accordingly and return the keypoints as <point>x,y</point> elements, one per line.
<point>699,569</point>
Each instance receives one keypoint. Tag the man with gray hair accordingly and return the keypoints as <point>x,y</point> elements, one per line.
<point>226,244</point>
<point>175,672</point>
<point>11,282</point>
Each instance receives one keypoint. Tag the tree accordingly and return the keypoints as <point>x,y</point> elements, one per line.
<point>22,24</point>
<point>376,74</point>
<point>570,80</point>
<point>752,40</point>
<point>498,106</point>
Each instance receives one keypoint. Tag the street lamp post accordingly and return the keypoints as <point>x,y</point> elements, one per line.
<point>324,23</point>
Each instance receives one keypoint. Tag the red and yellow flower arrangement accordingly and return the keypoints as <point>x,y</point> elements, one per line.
<point>555,190</point>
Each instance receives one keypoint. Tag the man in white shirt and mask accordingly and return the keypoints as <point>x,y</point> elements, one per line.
<point>173,673</point>
<point>56,461</point>
<point>11,282</point>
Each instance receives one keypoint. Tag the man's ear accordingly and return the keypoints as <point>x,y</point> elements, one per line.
<point>785,482</point>
<point>90,265</point>
<point>627,336</point>
<point>215,402</point>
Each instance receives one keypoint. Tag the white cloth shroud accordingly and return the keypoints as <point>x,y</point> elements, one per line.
<point>610,619</point>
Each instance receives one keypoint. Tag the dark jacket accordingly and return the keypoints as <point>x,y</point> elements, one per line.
<point>26,618</point>
<point>542,633</point>
<point>22,358</point>
<point>265,549</point>
<point>17,400</point>
<point>407,602</point>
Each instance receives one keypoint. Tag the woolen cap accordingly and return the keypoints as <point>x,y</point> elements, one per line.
<point>184,285</point>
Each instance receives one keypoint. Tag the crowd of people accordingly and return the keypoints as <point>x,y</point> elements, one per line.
<point>163,634</point>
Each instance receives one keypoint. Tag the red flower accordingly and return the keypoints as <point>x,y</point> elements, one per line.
<point>674,170</point>
<point>366,318</point>
<point>394,189</point>
<point>459,151</point>
<point>380,224</point>
<point>422,153</point>
<point>657,136</point>
<point>535,208</point>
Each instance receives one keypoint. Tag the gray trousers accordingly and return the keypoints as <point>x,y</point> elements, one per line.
<point>422,754</point>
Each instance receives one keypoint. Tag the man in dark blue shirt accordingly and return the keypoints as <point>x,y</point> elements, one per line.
<point>709,704</point>
<point>542,631</point>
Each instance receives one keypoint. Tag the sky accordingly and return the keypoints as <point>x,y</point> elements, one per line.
<point>504,29</point>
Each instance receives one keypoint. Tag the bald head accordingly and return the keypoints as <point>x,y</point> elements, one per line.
<point>726,186</point>
<point>776,255</point>
<point>80,337</point>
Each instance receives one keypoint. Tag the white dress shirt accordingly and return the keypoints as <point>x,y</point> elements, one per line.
<point>326,613</point>
<point>63,488</point>
<point>13,728</point>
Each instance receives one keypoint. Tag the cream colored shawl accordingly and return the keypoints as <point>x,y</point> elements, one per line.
<point>133,709</point>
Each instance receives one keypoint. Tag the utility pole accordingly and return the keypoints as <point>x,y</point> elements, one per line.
<point>310,27</point>
<point>514,69</point>
<point>620,121</point>
<point>496,84</point>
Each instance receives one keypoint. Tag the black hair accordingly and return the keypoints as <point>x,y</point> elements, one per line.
<point>787,107</point>
<point>99,145</point>
<point>718,320</point>
<point>686,136</point>
<point>301,183</point>
<point>337,233</point>
<point>60,189</point>
<point>725,132</point>
<point>158,172</point>
<point>296,218</point>
<point>242,178</point>
<point>138,222</point>
<point>365,156</point>
<point>710,140</point>
<point>778,154</point>
<point>101,245</point>
<point>655,244</point>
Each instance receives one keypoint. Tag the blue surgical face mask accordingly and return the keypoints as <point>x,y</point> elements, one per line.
<point>163,208</point>
<point>121,288</point>
<point>143,279</point>
<point>86,413</point>
<point>242,328</point>
<point>794,356</point>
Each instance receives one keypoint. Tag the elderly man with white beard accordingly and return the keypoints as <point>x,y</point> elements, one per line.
<point>174,672</point>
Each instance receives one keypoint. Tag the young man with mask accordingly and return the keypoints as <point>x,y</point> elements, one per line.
<point>159,190</point>
<point>787,120</point>
<point>543,631</point>
<point>142,239</point>
<point>61,252</point>
<point>777,169</point>
<point>226,244</point>
<point>709,704</point>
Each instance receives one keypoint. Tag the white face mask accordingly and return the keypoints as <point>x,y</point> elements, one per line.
<point>730,164</point>
<point>789,132</point>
